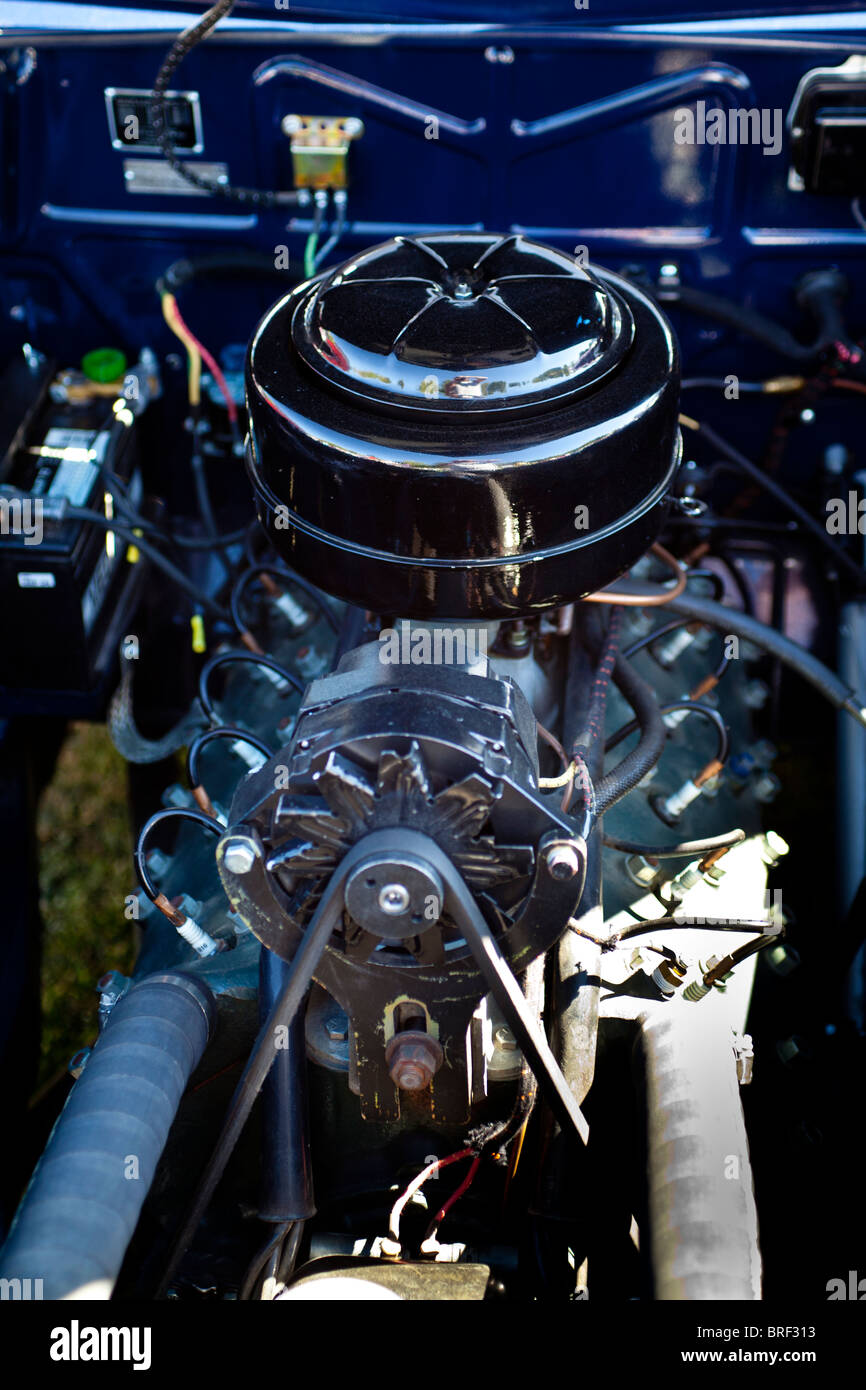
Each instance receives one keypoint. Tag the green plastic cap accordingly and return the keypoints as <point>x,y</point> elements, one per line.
<point>104,364</point>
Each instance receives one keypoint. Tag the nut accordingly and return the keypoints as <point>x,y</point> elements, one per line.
<point>563,862</point>
<point>413,1059</point>
<point>239,855</point>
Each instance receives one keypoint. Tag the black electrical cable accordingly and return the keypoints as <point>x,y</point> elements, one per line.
<point>155,556</point>
<point>749,948</point>
<point>691,849</point>
<point>651,637</point>
<point>691,707</point>
<point>731,622</point>
<point>229,263</point>
<point>289,1253</point>
<point>249,658</point>
<point>224,541</point>
<point>222,731</point>
<point>737,577</point>
<point>712,383</point>
<point>636,764</point>
<point>261,1058</point>
<point>767,932</point>
<point>287,578</point>
<point>782,496</point>
<point>664,631</point>
<point>202,492</point>
<point>716,580</point>
<point>747,321</point>
<point>273,1243</point>
<point>171,812</point>
<point>765,929</point>
<point>180,48</point>
<point>115,486</point>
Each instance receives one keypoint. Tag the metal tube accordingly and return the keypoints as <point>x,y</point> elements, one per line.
<point>703,1224</point>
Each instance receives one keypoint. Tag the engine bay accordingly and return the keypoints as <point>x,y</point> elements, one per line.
<point>434,451</point>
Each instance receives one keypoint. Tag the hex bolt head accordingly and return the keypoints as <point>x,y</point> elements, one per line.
<point>504,1038</point>
<point>239,856</point>
<point>413,1059</point>
<point>394,899</point>
<point>337,1027</point>
<point>562,862</point>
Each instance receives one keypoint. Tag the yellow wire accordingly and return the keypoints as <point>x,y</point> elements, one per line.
<point>546,783</point>
<point>169,305</point>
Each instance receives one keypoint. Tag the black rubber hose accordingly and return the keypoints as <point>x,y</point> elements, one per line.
<point>653,734</point>
<point>747,321</point>
<point>78,1215</point>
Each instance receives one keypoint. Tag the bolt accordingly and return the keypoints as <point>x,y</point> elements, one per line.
<point>394,899</point>
<point>563,862</point>
<point>517,638</point>
<point>413,1060</point>
<point>337,1027</point>
<point>239,856</point>
<point>504,1038</point>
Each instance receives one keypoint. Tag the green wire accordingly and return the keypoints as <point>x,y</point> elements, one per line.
<point>310,254</point>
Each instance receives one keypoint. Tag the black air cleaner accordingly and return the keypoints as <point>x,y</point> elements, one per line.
<point>462,426</point>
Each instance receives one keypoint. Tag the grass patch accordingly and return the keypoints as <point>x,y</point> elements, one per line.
<point>85,873</point>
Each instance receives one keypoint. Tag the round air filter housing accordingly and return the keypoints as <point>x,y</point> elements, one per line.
<point>462,426</point>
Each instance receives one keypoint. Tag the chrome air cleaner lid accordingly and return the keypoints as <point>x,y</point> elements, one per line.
<point>465,325</point>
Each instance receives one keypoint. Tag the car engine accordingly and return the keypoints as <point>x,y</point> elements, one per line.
<point>482,620</point>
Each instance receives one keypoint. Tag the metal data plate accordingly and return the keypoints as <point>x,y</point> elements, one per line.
<point>156,176</point>
<point>131,125</point>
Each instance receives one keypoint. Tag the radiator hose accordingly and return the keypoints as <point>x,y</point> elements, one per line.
<point>79,1212</point>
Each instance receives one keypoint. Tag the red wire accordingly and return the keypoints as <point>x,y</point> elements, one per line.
<point>845,385</point>
<point>417,1183</point>
<point>455,1196</point>
<point>212,366</point>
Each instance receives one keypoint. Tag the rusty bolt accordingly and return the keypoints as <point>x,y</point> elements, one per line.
<point>413,1060</point>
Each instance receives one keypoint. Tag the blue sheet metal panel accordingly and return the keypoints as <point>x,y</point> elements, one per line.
<point>572,140</point>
